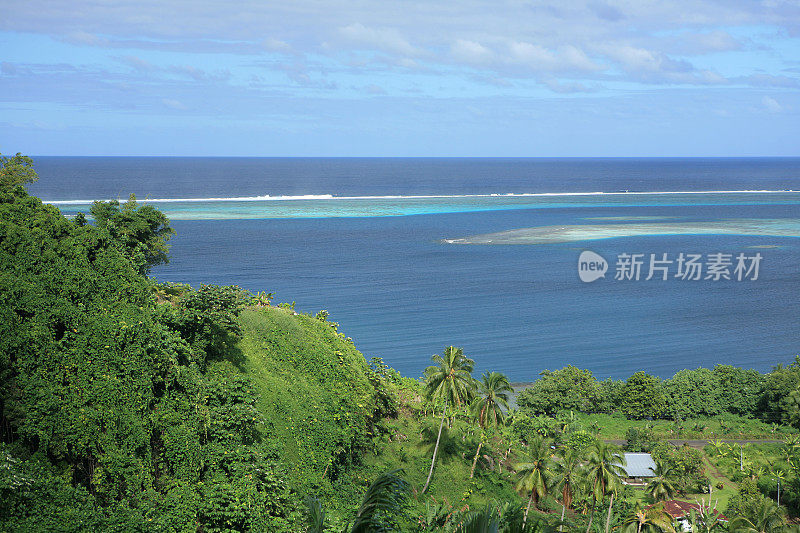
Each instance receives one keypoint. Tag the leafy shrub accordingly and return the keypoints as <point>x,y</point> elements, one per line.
<point>580,440</point>
<point>639,439</point>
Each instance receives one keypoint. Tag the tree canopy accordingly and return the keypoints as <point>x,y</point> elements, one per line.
<point>16,170</point>
<point>569,388</point>
<point>140,231</point>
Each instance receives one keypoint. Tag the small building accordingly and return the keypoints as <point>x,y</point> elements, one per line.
<point>681,512</point>
<point>639,469</point>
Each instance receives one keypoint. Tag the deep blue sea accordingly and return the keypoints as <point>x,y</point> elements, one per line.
<point>376,243</point>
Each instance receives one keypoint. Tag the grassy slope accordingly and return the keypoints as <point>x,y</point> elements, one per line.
<point>313,389</point>
<point>314,393</point>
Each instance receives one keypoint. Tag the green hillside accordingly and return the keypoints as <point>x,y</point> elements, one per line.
<point>338,424</point>
<point>313,390</point>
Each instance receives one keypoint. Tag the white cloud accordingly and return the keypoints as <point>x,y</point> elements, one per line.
<point>532,55</point>
<point>85,38</point>
<point>471,52</point>
<point>771,105</point>
<point>407,62</point>
<point>174,104</point>
<point>587,43</point>
<point>188,71</point>
<point>636,59</point>
<point>539,58</point>
<point>383,38</point>
<point>275,45</point>
<point>713,41</point>
<point>651,66</point>
<point>198,74</point>
<point>138,63</point>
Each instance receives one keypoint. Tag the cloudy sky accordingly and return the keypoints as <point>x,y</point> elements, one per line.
<point>400,78</point>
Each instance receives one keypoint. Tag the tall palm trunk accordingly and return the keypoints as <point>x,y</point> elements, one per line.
<point>528,508</point>
<point>591,516</point>
<point>566,501</point>
<point>608,516</point>
<point>505,457</point>
<point>475,461</point>
<point>435,449</point>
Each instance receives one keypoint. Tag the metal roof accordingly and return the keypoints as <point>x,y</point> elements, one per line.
<point>639,465</point>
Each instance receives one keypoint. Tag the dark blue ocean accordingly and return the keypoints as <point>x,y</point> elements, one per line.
<point>354,237</point>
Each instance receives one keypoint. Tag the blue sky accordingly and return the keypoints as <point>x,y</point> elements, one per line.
<point>400,78</point>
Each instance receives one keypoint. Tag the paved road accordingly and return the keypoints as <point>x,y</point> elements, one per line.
<point>701,443</point>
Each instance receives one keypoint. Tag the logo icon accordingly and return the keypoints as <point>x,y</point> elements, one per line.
<point>591,266</point>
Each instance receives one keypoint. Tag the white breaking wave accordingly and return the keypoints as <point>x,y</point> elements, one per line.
<point>221,199</point>
<point>268,198</point>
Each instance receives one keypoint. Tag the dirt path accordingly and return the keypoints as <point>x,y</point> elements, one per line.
<point>714,469</point>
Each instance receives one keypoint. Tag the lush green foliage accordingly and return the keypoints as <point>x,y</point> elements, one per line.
<point>722,392</point>
<point>639,439</point>
<point>15,171</point>
<point>314,391</point>
<point>100,391</point>
<point>534,472</point>
<point>661,486</point>
<point>491,401</point>
<point>140,232</point>
<point>648,520</point>
<point>449,386</point>
<point>684,464</point>
<point>569,388</point>
<point>449,382</point>
<point>778,402</point>
<point>643,397</point>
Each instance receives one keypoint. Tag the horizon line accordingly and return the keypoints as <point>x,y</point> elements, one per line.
<point>422,156</point>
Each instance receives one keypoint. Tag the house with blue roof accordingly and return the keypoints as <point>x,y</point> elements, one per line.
<point>639,469</point>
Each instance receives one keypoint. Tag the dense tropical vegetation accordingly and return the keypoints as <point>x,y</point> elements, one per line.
<point>130,405</point>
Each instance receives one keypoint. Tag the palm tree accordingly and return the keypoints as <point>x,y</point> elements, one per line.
<point>384,499</point>
<point>509,436</point>
<point>649,519</point>
<point>720,448</point>
<point>486,520</point>
<point>386,496</point>
<point>543,426</point>
<point>504,517</point>
<point>490,405</point>
<point>791,443</point>
<point>604,473</point>
<point>660,487</point>
<point>316,515</point>
<point>706,519</point>
<point>448,383</point>
<point>533,476</point>
<point>766,518</point>
<point>567,473</point>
